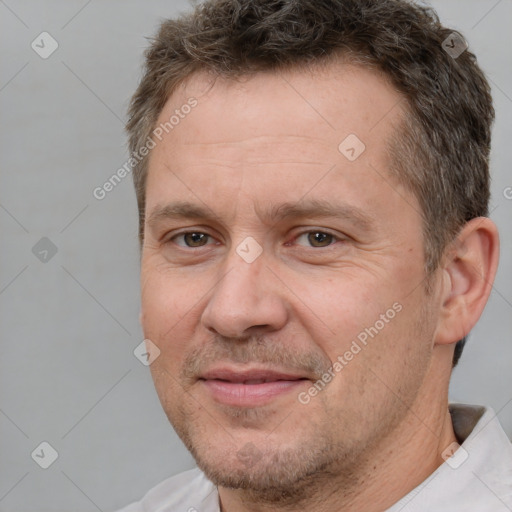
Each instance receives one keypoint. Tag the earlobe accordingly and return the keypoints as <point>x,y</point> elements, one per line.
<point>469,268</point>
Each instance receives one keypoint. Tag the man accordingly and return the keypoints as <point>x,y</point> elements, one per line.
<point>312,181</point>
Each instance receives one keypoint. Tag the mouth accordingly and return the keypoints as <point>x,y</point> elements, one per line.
<point>250,387</point>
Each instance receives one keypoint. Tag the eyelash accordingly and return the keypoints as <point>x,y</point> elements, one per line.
<point>334,238</point>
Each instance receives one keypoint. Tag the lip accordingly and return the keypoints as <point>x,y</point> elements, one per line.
<point>249,387</point>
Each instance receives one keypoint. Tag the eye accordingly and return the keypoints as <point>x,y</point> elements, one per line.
<point>317,238</point>
<point>191,239</point>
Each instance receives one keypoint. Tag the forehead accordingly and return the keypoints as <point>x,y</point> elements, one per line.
<point>322,101</point>
<point>271,130</point>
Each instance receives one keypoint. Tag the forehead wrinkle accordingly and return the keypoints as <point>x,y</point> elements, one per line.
<point>265,139</point>
<point>253,161</point>
<point>265,142</point>
<point>313,208</point>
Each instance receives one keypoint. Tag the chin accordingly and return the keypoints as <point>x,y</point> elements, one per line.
<point>272,474</point>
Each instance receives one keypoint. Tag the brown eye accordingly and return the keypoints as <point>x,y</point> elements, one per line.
<point>191,239</point>
<point>320,239</point>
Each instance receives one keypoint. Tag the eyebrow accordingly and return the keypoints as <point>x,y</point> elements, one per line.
<point>319,208</point>
<point>180,210</point>
<point>310,208</point>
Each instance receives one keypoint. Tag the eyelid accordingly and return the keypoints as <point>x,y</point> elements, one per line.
<point>170,238</point>
<point>336,237</point>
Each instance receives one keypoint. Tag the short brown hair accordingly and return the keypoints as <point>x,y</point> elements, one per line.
<point>441,151</point>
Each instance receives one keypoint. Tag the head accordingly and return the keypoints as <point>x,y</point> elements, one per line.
<point>347,118</point>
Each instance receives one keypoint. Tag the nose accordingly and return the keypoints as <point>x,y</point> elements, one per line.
<point>246,301</point>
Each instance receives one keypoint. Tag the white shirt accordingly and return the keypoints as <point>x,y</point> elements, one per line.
<point>477,478</point>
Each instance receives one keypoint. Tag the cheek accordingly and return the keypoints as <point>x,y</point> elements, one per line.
<point>345,307</point>
<point>166,306</point>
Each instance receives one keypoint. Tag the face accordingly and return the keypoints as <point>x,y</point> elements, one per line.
<point>282,275</point>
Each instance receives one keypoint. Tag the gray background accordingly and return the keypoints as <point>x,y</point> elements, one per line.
<point>69,325</point>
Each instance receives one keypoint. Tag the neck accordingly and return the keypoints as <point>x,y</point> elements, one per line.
<point>394,467</point>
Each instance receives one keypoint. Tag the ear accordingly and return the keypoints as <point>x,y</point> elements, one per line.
<point>468,270</point>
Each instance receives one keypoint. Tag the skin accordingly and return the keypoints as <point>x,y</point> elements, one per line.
<point>253,144</point>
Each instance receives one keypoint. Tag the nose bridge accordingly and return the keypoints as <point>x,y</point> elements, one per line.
<point>242,282</point>
<point>244,297</point>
